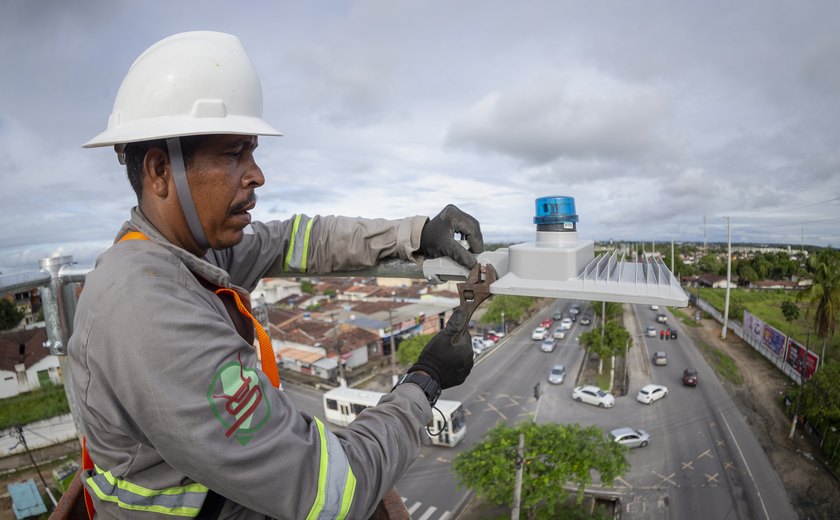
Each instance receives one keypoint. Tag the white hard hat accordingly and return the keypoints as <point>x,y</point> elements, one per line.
<point>192,83</point>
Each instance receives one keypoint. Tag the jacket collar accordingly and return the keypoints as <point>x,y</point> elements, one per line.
<point>199,266</point>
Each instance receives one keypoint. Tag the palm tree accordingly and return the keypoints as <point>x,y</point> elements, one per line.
<point>823,295</point>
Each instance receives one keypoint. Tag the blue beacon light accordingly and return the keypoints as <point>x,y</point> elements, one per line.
<point>555,213</point>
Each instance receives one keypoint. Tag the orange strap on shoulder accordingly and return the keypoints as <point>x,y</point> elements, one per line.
<point>87,464</point>
<point>269,363</point>
<point>134,235</point>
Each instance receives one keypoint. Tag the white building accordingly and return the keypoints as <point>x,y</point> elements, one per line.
<point>25,364</point>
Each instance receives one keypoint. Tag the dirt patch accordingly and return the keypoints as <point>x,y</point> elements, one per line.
<point>813,491</point>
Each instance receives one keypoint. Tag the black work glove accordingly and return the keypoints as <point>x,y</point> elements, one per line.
<point>448,357</point>
<point>437,238</point>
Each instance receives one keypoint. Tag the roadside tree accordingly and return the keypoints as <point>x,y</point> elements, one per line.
<point>823,295</point>
<point>10,314</point>
<point>614,342</point>
<point>556,456</point>
<point>410,348</point>
<point>512,307</point>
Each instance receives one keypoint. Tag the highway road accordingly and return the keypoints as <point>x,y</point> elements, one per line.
<point>702,461</point>
<point>702,456</point>
<point>500,388</point>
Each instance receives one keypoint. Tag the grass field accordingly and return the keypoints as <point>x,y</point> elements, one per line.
<point>33,406</point>
<point>767,305</point>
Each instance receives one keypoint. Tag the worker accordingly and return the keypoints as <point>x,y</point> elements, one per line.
<point>181,416</point>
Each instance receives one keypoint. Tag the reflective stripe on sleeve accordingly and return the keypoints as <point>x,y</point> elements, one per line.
<point>183,501</point>
<point>296,256</point>
<point>336,482</point>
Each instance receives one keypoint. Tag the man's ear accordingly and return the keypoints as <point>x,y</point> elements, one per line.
<point>156,171</point>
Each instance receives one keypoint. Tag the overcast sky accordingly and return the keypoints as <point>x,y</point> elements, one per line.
<point>650,114</point>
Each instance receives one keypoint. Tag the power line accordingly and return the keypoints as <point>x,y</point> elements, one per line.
<point>809,205</point>
<point>803,223</point>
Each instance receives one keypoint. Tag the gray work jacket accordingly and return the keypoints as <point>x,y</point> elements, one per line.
<point>172,398</point>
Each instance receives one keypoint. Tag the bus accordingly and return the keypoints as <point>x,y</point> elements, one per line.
<point>447,427</point>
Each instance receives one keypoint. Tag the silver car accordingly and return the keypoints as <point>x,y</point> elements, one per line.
<point>630,437</point>
<point>548,345</point>
<point>557,375</point>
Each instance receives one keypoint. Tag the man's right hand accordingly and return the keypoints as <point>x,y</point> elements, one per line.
<point>437,238</point>
<point>448,357</point>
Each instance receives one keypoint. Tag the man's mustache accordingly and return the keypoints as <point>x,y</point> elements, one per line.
<point>239,207</point>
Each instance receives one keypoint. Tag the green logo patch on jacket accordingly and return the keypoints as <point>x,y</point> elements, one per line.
<point>238,402</point>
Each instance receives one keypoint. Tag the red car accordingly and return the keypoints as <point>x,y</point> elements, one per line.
<point>690,377</point>
<point>546,323</point>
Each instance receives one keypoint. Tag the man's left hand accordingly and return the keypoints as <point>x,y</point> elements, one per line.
<point>437,238</point>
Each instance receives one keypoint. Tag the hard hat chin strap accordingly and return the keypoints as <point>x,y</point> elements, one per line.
<point>182,187</point>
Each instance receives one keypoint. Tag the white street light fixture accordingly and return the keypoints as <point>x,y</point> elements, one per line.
<point>559,265</point>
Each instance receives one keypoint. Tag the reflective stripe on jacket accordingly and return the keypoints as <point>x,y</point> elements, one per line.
<point>184,501</point>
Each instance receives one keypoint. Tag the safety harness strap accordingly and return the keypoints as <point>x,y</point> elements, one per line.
<point>267,359</point>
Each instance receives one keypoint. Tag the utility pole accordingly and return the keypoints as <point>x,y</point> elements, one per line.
<point>802,367</point>
<point>504,328</point>
<point>704,234</point>
<point>672,257</point>
<point>341,380</point>
<point>728,278</point>
<point>603,319</point>
<point>394,375</point>
<point>520,466</point>
<point>22,440</point>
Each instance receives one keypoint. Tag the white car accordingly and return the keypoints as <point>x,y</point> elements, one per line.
<point>651,393</point>
<point>496,333</point>
<point>478,345</point>
<point>593,395</point>
<point>566,323</point>
<point>651,331</point>
<point>539,333</point>
<point>654,307</point>
<point>559,333</point>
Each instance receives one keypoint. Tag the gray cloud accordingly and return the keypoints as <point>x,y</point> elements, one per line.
<point>585,115</point>
<point>649,114</point>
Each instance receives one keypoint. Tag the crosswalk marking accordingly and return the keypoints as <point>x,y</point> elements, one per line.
<point>427,514</point>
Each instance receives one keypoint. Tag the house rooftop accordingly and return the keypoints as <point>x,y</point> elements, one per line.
<point>34,351</point>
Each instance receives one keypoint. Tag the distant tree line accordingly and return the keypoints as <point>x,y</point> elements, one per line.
<point>762,266</point>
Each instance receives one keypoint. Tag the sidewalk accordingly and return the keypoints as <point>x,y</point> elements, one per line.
<point>48,432</point>
<point>638,367</point>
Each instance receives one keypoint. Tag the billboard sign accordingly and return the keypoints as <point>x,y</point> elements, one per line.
<point>774,340</point>
<point>798,355</point>
<point>753,329</point>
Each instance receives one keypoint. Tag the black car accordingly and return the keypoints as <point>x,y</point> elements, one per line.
<point>690,377</point>
<point>585,320</point>
<point>673,333</point>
